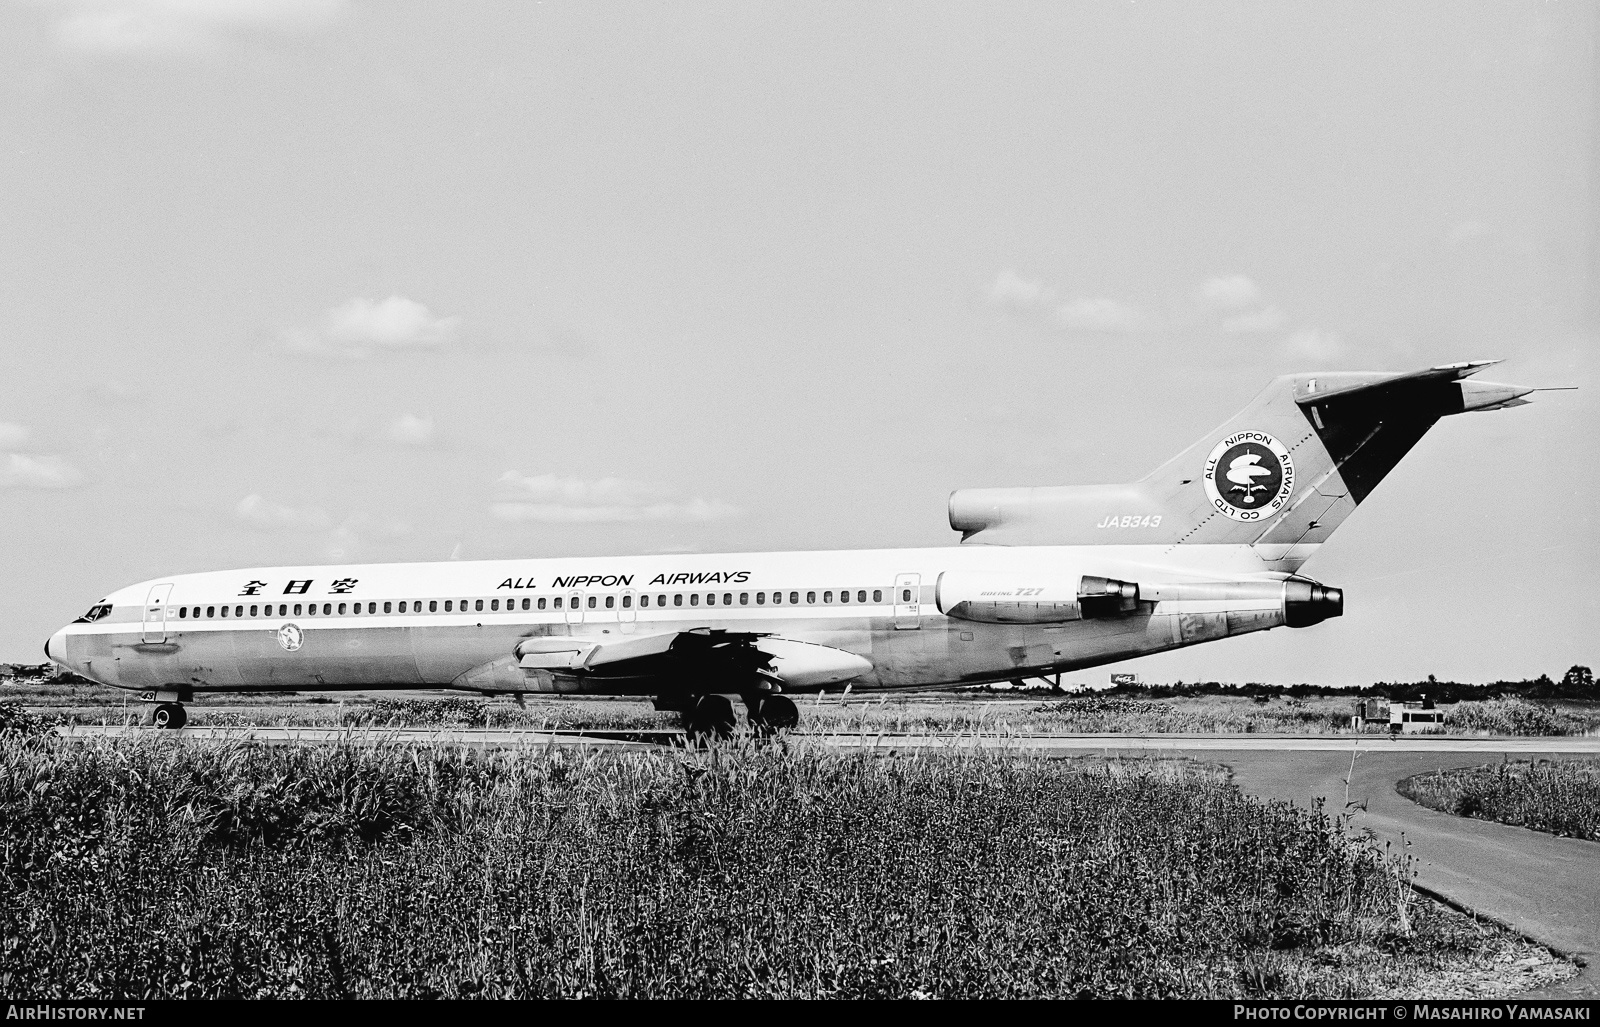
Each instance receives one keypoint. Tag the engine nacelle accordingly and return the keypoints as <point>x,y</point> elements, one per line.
<point>1235,606</point>
<point>995,599</point>
<point>1307,602</point>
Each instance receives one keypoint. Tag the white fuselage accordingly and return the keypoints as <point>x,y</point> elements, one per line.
<point>456,624</point>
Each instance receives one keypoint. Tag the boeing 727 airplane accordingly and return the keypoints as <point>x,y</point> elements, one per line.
<point>1046,580</point>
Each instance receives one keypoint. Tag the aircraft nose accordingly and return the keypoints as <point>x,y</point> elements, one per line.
<point>55,646</point>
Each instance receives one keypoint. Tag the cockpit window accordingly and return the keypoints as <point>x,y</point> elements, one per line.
<point>95,613</point>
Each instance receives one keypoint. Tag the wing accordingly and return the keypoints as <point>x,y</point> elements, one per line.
<point>697,661</point>
<point>715,655</point>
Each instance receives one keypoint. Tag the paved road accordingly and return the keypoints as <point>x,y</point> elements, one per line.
<point>1545,887</point>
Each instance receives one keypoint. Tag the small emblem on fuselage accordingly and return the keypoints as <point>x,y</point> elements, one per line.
<point>290,637</point>
<point>1249,476</point>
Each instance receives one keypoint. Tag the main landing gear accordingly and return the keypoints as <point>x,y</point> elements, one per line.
<point>708,717</point>
<point>769,713</point>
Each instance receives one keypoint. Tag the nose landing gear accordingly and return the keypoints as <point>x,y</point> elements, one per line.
<point>169,715</point>
<point>169,712</point>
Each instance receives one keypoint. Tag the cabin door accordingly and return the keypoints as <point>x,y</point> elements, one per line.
<point>575,608</point>
<point>155,613</point>
<point>908,601</point>
<point>628,615</point>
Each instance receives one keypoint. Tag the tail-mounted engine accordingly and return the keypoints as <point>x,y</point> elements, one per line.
<point>994,600</point>
<point>1245,605</point>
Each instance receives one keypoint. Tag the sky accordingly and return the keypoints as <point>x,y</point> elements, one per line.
<point>329,280</point>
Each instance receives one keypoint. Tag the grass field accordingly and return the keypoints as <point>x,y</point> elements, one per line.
<point>897,714</point>
<point>1558,796</point>
<point>159,867</point>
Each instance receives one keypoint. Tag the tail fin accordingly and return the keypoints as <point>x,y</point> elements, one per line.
<point>1280,475</point>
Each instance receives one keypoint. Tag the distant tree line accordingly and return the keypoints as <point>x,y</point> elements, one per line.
<point>1576,683</point>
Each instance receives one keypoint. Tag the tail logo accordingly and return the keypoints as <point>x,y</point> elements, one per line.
<point>1249,476</point>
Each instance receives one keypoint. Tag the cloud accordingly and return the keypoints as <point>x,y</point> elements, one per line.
<point>411,430</point>
<point>1310,344</point>
<point>1468,231</point>
<point>1255,322</point>
<point>1077,313</point>
<point>262,515</point>
<point>551,499</point>
<point>12,435</point>
<point>1012,290</point>
<point>363,327</point>
<point>114,27</point>
<point>1102,315</point>
<point>1228,293</point>
<point>21,471</point>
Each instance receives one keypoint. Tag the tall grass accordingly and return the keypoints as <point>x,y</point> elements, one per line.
<point>162,867</point>
<point>1558,796</point>
<point>1511,715</point>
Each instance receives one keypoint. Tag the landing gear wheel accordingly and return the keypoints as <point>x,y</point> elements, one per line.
<point>710,716</point>
<point>770,714</point>
<point>170,715</point>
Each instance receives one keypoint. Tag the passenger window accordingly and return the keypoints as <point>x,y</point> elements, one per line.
<point>694,599</point>
<point>494,606</point>
<point>727,599</point>
<point>611,601</point>
<point>777,598</point>
<point>526,603</point>
<point>297,609</point>
<point>183,611</point>
<point>844,597</point>
<point>811,597</point>
<point>388,607</point>
<point>449,606</point>
<point>877,595</point>
<point>744,598</point>
<point>711,600</point>
<point>627,602</point>
<point>433,606</point>
<point>761,599</point>
<point>211,611</point>
<point>224,611</point>
<point>541,602</point>
<point>238,611</point>
<point>827,597</point>
<point>905,595</point>
<point>341,610</point>
<point>558,602</point>
<point>402,606</point>
<point>591,602</point>
<point>661,600</point>
<point>861,596</point>
<point>677,600</point>
<point>478,606</point>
